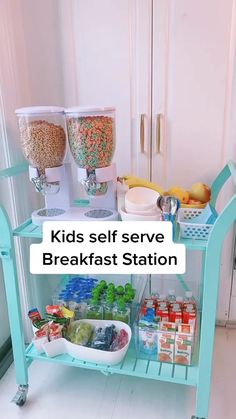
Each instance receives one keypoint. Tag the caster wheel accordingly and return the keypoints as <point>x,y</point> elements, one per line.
<point>196,417</point>
<point>21,395</point>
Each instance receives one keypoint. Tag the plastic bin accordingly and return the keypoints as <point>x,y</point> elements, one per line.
<point>190,230</point>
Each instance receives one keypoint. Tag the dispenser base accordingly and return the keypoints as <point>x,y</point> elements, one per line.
<point>74,214</point>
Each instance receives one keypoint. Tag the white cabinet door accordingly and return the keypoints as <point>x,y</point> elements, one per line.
<point>190,75</point>
<point>105,47</point>
<point>193,49</point>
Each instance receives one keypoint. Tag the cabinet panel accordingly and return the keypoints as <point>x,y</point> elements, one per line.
<point>142,91</point>
<point>192,55</point>
<point>100,51</point>
<point>106,48</point>
<point>197,40</point>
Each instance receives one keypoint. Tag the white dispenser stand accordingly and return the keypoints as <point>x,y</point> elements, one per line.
<point>59,205</point>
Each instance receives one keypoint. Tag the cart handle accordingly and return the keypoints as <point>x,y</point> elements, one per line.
<point>14,170</point>
<point>223,176</point>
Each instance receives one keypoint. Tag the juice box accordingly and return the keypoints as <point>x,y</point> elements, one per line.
<point>183,349</point>
<point>190,317</point>
<point>186,328</point>
<point>147,340</point>
<point>175,313</point>
<point>162,312</point>
<point>168,326</point>
<point>166,347</point>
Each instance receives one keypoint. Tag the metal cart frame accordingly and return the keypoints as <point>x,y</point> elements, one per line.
<point>197,375</point>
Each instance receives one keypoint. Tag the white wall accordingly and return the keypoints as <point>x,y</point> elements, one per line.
<point>30,74</point>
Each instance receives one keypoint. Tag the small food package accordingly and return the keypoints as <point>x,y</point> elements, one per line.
<point>34,315</point>
<point>79,333</point>
<point>184,343</point>
<point>168,326</point>
<point>166,346</point>
<point>55,331</point>
<point>120,340</point>
<point>162,311</point>
<point>41,337</point>
<point>166,342</point>
<point>103,338</point>
<point>54,311</point>
<point>190,316</point>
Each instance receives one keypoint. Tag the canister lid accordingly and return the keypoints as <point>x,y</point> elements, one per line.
<point>84,109</point>
<point>39,110</point>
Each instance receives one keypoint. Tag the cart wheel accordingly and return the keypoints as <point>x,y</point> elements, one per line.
<point>196,417</point>
<point>21,395</point>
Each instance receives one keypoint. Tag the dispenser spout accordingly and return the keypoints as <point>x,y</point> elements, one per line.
<point>43,186</point>
<point>91,184</point>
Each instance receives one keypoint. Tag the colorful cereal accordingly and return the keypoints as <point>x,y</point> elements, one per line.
<point>91,140</point>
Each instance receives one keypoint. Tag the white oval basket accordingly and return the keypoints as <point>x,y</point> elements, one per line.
<point>63,346</point>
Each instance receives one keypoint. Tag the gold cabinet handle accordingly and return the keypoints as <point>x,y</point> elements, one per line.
<point>158,133</point>
<point>142,133</point>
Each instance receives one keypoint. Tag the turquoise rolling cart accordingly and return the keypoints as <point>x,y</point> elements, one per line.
<point>198,375</point>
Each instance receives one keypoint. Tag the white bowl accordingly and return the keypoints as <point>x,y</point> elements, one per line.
<point>141,199</point>
<point>125,216</point>
<point>153,211</point>
<point>63,346</point>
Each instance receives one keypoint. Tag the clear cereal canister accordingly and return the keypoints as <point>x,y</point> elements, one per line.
<point>91,135</point>
<point>42,135</point>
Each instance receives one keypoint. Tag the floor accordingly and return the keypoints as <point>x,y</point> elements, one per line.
<point>65,392</point>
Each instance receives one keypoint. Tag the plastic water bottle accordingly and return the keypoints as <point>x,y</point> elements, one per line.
<point>189,301</point>
<point>171,296</point>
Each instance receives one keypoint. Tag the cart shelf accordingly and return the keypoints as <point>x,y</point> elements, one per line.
<point>131,365</point>
<point>199,376</point>
<point>28,229</point>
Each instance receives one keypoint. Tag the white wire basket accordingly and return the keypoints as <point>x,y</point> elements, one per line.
<point>190,230</point>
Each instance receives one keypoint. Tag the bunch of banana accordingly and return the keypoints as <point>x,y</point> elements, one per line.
<point>133,181</point>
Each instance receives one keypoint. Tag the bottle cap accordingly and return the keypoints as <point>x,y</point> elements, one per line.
<point>171,292</point>
<point>120,289</point>
<point>179,299</point>
<point>188,294</point>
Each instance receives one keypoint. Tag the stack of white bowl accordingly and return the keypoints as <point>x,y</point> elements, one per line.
<point>140,205</point>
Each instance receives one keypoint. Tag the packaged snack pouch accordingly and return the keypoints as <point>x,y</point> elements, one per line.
<point>103,338</point>
<point>54,310</point>
<point>69,314</point>
<point>55,331</point>
<point>34,315</point>
<point>120,341</point>
<point>79,333</point>
<point>42,332</point>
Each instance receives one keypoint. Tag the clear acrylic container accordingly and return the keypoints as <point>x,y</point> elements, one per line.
<point>94,310</point>
<point>121,312</point>
<point>42,135</point>
<point>91,134</point>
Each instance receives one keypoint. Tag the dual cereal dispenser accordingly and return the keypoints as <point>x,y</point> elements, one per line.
<point>91,137</point>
